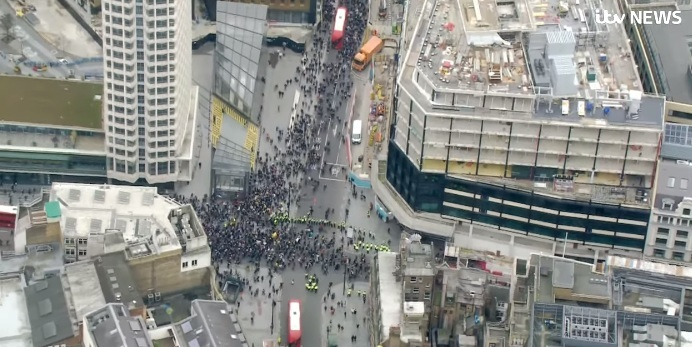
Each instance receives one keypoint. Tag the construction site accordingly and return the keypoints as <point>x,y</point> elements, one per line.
<point>375,86</point>
<point>530,94</point>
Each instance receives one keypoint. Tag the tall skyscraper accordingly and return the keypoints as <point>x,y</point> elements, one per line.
<point>149,102</point>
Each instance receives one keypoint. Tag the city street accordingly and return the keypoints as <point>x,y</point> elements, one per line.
<point>28,42</point>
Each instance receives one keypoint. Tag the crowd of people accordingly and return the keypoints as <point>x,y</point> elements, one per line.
<point>256,228</point>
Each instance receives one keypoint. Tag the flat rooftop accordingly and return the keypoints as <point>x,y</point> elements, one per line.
<point>51,102</point>
<point>526,58</point>
<point>672,61</point>
<point>563,273</point>
<point>150,223</point>
<point>85,290</point>
<point>16,330</point>
<point>391,293</point>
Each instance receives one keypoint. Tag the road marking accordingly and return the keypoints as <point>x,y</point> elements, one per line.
<point>332,179</point>
<point>335,127</point>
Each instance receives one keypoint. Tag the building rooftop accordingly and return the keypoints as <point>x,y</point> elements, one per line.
<point>112,325</point>
<point>677,142</point>
<point>48,312</point>
<point>674,176</point>
<point>14,319</point>
<point>578,279</point>
<point>392,300</point>
<point>212,324</point>
<point>547,60</point>
<point>419,259</point>
<point>116,280</point>
<point>150,223</point>
<point>51,102</point>
<point>671,59</point>
<point>84,288</point>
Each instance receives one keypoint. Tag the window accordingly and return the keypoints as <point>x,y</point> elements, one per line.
<point>680,244</point>
<point>82,241</point>
<point>69,251</point>
<point>686,211</point>
<point>681,233</point>
<point>69,241</point>
<point>426,296</point>
<point>683,183</point>
<point>184,264</point>
<point>194,262</point>
<point>415,291</point>
<point>661,242</point>
<point>659,253</point>
<point>82,252</point>
<point>413,280</point>
<point>663,232</point>
<point>678,256</point>
<point>671,182</point>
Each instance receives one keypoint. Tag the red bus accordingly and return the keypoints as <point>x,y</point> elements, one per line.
<point>339,28</point>
<point>294,331</point>
<point>8,217</point>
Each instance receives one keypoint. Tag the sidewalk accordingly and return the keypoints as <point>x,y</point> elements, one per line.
<point>260,306</point>
<point>351,324</point>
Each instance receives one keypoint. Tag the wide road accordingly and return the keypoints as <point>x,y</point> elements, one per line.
<point>334,192</point>
<point>30,43</point>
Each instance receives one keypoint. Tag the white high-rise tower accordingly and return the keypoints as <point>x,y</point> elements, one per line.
<point>149,101</point>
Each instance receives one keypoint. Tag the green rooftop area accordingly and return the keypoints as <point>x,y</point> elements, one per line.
<point>50,102</point>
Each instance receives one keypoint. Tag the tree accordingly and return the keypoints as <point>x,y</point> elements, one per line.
<point>7,23</point>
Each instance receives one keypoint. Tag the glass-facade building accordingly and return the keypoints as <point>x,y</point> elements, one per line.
<point>522,211</point>
<point>237,94</point>
<point>240,30</point>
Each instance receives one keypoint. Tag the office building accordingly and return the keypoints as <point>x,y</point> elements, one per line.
<point>236,100</point>
<point>512,121</point>
<point>149,233</point>
<point>616,303</point>
<point>51,130</point>
<point>150,104</point>
<point>662,53</point>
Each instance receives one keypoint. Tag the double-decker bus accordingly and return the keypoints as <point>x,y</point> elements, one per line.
<point>8,217</point>
<point>294,331</point>
<point>339,28</point>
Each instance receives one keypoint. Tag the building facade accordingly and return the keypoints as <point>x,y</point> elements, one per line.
<point>239,63</point>
<point>670,229</point>
<point>539,135</point>
<point>149,101</point>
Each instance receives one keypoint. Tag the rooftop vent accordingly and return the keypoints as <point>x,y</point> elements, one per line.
<point>100,196</point>
<point>124,198</point>
<point>74,195</point>
<point>148,199</point>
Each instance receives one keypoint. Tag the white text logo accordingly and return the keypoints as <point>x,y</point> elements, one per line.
<point>639,17</point>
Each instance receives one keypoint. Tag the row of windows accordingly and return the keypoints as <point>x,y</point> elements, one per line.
<point>425,192</point>
<point>539,230</point>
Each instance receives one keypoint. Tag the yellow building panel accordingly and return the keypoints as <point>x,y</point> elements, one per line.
<point>494,170</point>
<point>461,168</point>
<point>216,120</point>
<point>433,165</point>
<point>221,108</point>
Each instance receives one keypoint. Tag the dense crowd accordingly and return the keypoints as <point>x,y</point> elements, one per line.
<point>248,229</point>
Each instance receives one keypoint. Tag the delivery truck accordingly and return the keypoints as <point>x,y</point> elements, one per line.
<point>364,56</point>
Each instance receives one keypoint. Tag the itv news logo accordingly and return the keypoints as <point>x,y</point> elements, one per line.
<point>639,17</point>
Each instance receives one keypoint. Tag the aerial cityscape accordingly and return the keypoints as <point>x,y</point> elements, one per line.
<point>369,173</point>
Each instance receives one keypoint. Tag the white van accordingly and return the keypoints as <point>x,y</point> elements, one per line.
<point>357,135</point>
